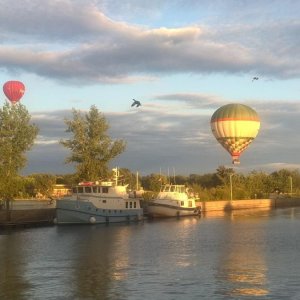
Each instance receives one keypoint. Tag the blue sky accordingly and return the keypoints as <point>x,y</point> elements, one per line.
<point>181,59</point>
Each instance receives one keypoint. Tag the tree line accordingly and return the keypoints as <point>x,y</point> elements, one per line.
<point>91,151</point>
<point>218,185</point>
<point>205,187</point>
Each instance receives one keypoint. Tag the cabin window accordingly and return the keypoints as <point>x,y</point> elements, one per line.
<point>95,189</point>
<point>80,189</point>
<point>126,204</point>
<point>74,190</point>
<point>172,188</point>
<point>134,204</point>
<point>182,203</point>
<point>88,189</point>
<point>105,190</point>
<point>130,204</point>
<point>190,203</point>
<point>103,201</point>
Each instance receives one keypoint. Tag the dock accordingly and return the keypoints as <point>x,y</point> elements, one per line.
<point>27,213</point>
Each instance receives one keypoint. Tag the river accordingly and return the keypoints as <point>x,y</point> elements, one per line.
<point>239,255</point>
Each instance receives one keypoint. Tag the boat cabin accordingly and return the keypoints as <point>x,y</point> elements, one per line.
<point>106,189</point>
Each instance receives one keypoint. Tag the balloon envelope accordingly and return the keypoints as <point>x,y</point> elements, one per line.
<point>235,126</point>
<point>14,90</point>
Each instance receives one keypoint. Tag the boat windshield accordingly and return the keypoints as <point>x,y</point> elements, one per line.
<point>90,189</point>
<point>174,188</point>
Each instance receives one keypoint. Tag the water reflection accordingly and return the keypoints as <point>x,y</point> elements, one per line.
<point>241,213</point>
<point>99,260</point>
<point>13,285</point>
<point>242,269</point>
<point>184,256</point>
<point>231,256</point>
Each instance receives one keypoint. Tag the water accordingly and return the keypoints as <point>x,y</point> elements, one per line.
<point>242,255</point>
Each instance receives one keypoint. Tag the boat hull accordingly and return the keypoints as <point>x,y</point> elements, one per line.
<point>163,210</point>
<point>68,212</point>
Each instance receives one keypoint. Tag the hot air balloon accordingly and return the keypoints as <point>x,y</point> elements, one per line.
<point>235,126</point>
<point>14,90</point>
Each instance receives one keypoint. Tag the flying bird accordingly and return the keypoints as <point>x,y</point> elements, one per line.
<point>136,103</point>
<point>254,78</point>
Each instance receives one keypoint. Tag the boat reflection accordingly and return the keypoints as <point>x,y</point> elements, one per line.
<point>101,263</point>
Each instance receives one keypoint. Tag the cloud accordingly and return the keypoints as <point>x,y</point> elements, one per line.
<point>161,139</point>
<point>74,41</point>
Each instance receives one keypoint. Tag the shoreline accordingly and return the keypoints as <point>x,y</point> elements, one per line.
<point>30,216</point>
<point>229,205</point>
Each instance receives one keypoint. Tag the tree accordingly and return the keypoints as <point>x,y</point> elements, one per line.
<point>17,136</point>
<point>126,176</point>
<point>223,173</point>
<point>43,184</point>
<point>153,182</point>
<point>91,147</point>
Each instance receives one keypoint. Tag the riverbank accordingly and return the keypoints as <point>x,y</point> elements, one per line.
<point>36,213</point>
<point>25,213</point>
<point>227,205</point>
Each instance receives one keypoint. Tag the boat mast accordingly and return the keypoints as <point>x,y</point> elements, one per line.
<point>116,175</point>
<point>174,175</point>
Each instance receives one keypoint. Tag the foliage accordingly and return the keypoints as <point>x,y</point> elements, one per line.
<point>17,136</point>
<point>127,177</point>
<point>153,182</point>
<point>43,184</point>
<point>147,196</point>
<point>216,186</point>
<point>67,179</point>
<point>91,147</point>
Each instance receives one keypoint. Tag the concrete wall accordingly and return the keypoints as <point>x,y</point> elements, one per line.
<point>27,216</point>
<point>286,202</point>
<point>236,204</point>
<point>248,204</point>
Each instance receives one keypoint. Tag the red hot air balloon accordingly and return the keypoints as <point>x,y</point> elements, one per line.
<point>14,90</point>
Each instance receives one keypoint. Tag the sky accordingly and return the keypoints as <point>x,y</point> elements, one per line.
<point>182,59</point>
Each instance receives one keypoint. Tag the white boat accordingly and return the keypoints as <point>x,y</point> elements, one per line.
<point>173,201</point>
<point>98,202</point>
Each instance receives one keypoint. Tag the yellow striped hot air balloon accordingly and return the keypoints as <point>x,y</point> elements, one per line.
<point>235,126</point>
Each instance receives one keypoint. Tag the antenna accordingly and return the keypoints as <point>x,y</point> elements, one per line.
<point>174,175</point>
<point>160,178</point>
<point>137,180</point>
<point>116,174</point>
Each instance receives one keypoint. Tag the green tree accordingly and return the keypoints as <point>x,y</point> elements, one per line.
<point>91,147</point>
<point>280,180</point>
<point>127,177</point>
<point>43,184</point>
<point>224,173</point>
<point>17,136</point>
<point>153,182</point>
<point>67,179</point>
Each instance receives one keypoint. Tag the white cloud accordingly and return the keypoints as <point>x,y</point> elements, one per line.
<point>82,42</point>
<point>158,138</point>
<point>79,40</point>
